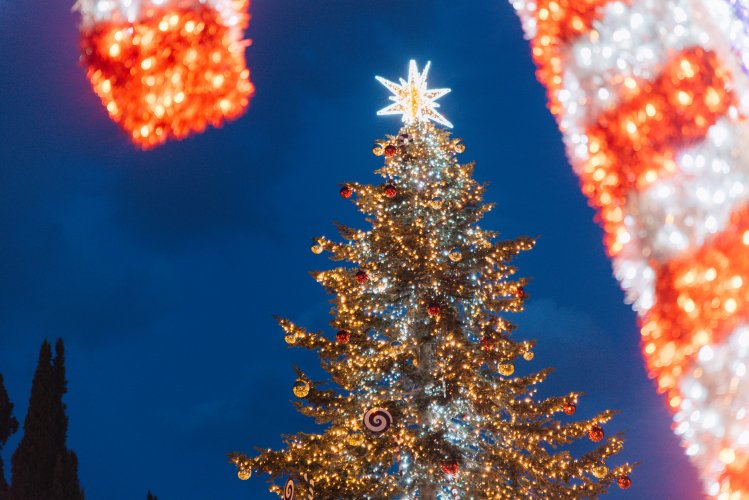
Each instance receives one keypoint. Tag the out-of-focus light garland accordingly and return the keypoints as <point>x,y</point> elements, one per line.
<point>651,97</point>
<point>166,68</point>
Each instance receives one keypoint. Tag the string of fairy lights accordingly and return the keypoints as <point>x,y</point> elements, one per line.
<point>423,399</point>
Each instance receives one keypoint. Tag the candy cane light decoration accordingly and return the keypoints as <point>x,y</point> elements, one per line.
<point>166,68</point>
<point>650,96</point>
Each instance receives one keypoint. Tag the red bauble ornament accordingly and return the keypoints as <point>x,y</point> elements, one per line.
<point>390,150</point>
<point>486,343</point>
<point>342,337</point>
<point>390,191</point>
<point>346,192</point>
<point>595,433</point>
<point>361,277</point>
<point>624,482</point>
<point>520,292</point>
<point>569,408</point>
<point>450,467</point>
<point>434,309</point>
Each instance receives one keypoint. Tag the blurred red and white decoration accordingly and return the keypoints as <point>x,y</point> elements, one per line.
<point>167,68</point>
<point>651,98</point>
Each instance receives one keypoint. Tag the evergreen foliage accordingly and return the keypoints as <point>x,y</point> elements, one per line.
<point>8,427</point>
<point>43,468</point>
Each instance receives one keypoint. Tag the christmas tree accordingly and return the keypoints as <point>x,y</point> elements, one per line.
<point>424,402</point>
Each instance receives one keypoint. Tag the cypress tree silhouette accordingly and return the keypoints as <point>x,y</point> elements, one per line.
<point>43,467</point>
<point>151,496</point>
<point>8,427</point>
<point>66,485</point>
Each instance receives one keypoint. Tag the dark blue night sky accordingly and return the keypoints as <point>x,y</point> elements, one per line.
<point>162,270</point>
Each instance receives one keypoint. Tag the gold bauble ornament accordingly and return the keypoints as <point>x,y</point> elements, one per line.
<point>301,388</point>
<point>528,355</point>
<point>355,439</point>
<point>377,150</point>
<point>455,255</point>
<point>460,148</point>
<point>244,474</point>
<point>506,369</point>
<point>316,249</point>
<point>599,471</point>
<point>436,202</point>
<point>290,338</point>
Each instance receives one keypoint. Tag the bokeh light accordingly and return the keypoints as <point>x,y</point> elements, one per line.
<point>651,96</point>
<point>164,70</point>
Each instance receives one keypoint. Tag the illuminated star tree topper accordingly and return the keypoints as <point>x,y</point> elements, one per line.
<point>413,99</point>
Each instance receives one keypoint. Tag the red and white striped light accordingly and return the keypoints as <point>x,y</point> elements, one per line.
<point>651,98</point>
<point>166,68</point>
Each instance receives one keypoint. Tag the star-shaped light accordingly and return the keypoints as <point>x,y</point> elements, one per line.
<point>412,99</point>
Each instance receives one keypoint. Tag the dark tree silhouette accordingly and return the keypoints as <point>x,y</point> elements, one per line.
<point>151,496</point>
<point>43,467</point>
<point>8,426</point>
